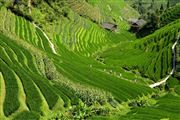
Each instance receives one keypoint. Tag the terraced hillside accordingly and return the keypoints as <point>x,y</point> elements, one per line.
<point>170,15</point>
<point>64,65</point>
<point>115,11</point>
<point>26,57</point>
<point>158,111</point>
<point>151,56</point>
<point>177,61</point>
<point>148,6</point>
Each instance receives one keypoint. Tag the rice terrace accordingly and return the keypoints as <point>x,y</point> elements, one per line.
<point>89,59</point>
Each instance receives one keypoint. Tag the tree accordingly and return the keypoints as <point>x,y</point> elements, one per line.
<point>141,9</point>
<point>168,4</point>
<point>161,8</point>
<point>15,2</point>
<point>152,4</point>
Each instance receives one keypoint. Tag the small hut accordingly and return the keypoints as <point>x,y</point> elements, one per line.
<point>137,23</point>
<point>109,26</point>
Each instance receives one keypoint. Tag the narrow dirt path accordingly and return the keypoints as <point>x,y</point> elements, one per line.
<point>173,69</point>
<point>51,44</point>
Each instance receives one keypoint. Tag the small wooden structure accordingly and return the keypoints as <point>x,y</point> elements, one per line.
<point>109,26</point>
<point>137,23</point>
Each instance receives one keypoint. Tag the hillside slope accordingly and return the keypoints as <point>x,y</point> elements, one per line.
<point>44,81</point>
<point>58,62</point>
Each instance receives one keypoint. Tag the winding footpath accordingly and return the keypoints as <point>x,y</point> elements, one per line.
<point>51,44</point>
<point>174,66</point>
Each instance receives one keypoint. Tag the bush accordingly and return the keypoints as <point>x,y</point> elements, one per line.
<point>27,115</point>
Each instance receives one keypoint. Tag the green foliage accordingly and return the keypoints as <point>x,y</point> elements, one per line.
<point>151,55</point>
<point>75,82</point>
<point>80,112</point>
<point>84,112</point>
<point>11,103</point>
<point>29,87</point>
<point>172,82</point>
<point>170,15</point>
<point>27,115</point>
<point>177,89</point>
<point>58,116</point>
<point>161,110</point>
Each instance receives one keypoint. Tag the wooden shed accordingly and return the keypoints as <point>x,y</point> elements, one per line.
<point>109,26</point>
<point>137,23</point>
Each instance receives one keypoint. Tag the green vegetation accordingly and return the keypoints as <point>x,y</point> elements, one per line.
<point>177,89</point>
<point>170,15</point>
<point>27,115</point>
<point>58,62</point>
<point>11,102</point>
<point>151,56</point>
<point>163,109</point>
